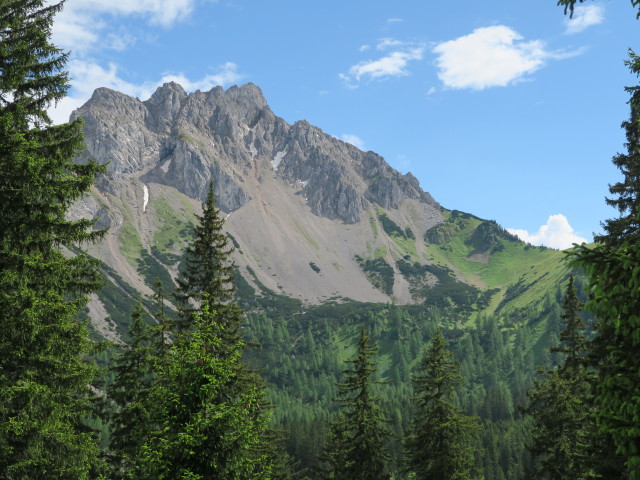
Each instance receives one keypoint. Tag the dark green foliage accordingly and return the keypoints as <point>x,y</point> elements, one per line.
<point>627,192</point>
<point>574,344</point>
<point>569,5</point>
<point>208,416</point>
<point>243,290</point>
<point>207,269</point>
<point>448,229</point>
<point>379,273</point>
<point>198,412</point>
<point>150,269</point>
<point>390,227</point>
<point>488,237</point>
<point>134,372</point>
<point>613,268</point>
<point>442,233</point>
<point>314,267</point>
<point>514,291</point>
<point>448,293</point>
<point>300,351</point>
<point>355,446</point>
<point>119,297</point>
<point>236,245</point>
<point>560,405</point>
<point>440,441</point>
<point>44,378</point>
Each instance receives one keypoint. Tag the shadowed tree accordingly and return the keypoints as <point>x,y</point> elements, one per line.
<point>355,446</point>
<point>613,268</point>
<point>440,438</point>
<point>209,410</point>
<point>44,376</point>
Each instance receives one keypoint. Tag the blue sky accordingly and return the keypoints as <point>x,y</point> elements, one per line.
<point>505,109</point>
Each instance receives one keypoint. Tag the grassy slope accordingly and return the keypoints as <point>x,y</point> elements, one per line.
<point>523,274</point>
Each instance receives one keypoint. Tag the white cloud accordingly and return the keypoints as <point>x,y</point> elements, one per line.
<point>556,233</point>
<point>394,20</point>
<point>227,74</point>
<point>387,43</point>
<point>353,140</point>
<point>584,16</point>
<point>86,76</point>
<point>488,57</point>
<point>161,12</point>
<point>364,48</point>
<point>81,23</point>
<point>120,41</point>
<point>393,64</point>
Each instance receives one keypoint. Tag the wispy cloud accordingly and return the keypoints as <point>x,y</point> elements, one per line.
<point>392,64</point>
<point>556,233</point>
<point>353,140</point>
<point>82,24</point>
<point>88,26</point>
<point>584,16</point>
<point>87,76</point>
<point>389,43</point>
<point>489,57</point>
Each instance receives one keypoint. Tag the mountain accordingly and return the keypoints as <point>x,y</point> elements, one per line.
<point>312,218</point>
<point>327,237</point>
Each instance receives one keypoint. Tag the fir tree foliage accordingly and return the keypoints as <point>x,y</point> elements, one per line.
<point>355,446</point>
<point>134,372</point>
<point>613,268</point>
<point>574,345</point>
<point>626,193</point>
<point>440,439</point>
<point>206,427</point>
<point>570,5</point>
<point>560,404</point>
<point>208,270</point>
<point>44,378</point>
<point>565,440</point>
<point>206,411</point>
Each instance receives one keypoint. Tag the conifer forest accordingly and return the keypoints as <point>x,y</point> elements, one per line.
<point>215,382</point>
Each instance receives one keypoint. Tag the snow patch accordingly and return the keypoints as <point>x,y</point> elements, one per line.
<point>146,198</point>
<point>253,149</point>
<point>165,166</point>
<point>277,158</point>
<point>304,184</point>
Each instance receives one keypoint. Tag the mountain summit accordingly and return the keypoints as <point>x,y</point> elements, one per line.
<point>311,216</point>
<point>232,136</point>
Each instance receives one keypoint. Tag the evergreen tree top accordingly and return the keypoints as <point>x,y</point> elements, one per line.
<point>626,192</point>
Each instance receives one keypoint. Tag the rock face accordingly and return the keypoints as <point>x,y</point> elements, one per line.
<point>311,216</point>
<point>186,140</point>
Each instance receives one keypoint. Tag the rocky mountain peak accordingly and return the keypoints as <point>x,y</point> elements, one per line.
<point>232,136</point>
<point>163,106</point>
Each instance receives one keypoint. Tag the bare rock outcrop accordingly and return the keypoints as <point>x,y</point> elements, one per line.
<point>187,140</point>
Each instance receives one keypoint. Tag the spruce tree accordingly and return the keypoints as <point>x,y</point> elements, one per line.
<point>356,443</point>
<point>210,411</point>
<point>206,427</point>
<point>613,268</point>
<point>440,438</point>
<point>44,376</point>
<point>573,343</point>
<point>134,373</point>
<point>208,271</point>
<point>565,439</point>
